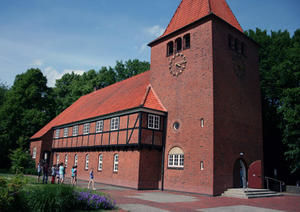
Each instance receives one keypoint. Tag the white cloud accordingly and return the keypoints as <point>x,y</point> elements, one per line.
<point>155,30</point>
<point>143,48</point>
<point>37,62</point>
<point>52,74</point>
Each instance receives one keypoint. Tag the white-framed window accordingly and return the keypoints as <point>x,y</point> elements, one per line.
<point>114,123</point>
<point>87,161</point>
<point>34,153</point>
<point>99,126</point>
<point>57,132</point>
<point>153,122</point>
<point>201,165</point>
<point>75,160</point>
<point>75,130</point>
<point>66,160</point>
<point>57,159</point>
<point>116,163</point>
<point>86,128</point>
<point>66,132</point>
<point>176,158</point>
<point>100,163</point>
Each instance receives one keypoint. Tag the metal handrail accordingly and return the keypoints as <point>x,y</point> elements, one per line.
<point>281,183</point>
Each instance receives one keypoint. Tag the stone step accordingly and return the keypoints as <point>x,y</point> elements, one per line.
<point>250,193</point>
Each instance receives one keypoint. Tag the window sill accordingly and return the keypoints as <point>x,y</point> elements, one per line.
<point>176,168</point>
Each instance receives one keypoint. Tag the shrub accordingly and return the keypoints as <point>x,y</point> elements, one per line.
<point>21,161</point>
<point>9,190</point>
<point>48,198</point>
<point>90,201</point>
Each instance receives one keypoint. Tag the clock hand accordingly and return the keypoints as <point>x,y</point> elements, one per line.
<point>178,65</point>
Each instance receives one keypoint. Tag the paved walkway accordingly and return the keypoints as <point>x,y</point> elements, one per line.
<point>158,201</point>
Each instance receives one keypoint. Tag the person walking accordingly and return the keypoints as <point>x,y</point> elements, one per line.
<point>61,173</point>
<point>57,173</point>
<point>45,174</point>
<point>73,175</point>
<point>39,172</point>
<point>91,180</point>
<point>52,174</point>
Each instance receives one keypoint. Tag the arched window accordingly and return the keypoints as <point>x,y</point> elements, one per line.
<point>176,158</point>
<point>170,48</point>
<point>34,152</point>
<point>66,160</point>
<point>87,162</point>
<point>186,41</point>
<point>116,163</point>
<point>178,43</point>
<point>100,162</point>
<point>75,160</point>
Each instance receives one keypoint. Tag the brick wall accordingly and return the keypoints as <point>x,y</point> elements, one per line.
<point>237,106</point>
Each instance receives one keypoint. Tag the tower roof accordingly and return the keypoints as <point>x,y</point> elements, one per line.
<point>190,11</point>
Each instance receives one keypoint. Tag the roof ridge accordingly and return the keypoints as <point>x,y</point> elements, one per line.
<point>116,83</point>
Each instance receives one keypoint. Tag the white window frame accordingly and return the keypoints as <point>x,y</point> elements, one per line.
<point>116,162</point>
<point>176,161</point>
<point>114,123</point>
<point>34,153</point>
<point>99,126</point>
<point>57,159</point>
<point>57,132</point>
<point>86,161</point>
<point>75,160</point>
<point>153,122</point>
<point>86,128</point>
<point>66,160</point>
<point>75,130</point>
<point>100,162</point>
<point>66,132</point>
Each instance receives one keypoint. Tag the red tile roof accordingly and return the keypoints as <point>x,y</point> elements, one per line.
<point>130,93</point>
<point>190,11</point>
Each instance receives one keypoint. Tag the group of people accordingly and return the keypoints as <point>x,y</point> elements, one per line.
<point>58,174</point>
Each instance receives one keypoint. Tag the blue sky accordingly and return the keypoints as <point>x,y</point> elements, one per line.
<point>60,36</point>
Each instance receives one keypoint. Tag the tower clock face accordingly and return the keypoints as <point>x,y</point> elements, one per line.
<point>177,64</point>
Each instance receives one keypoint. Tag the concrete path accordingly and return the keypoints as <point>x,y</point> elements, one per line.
<point>163,201</point>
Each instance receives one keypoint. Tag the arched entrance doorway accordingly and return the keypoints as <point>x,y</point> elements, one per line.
<point>240,174</point>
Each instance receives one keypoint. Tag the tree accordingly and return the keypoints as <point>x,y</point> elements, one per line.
<point>279,71</point>
<point>20,161</point>
<point>26,109</point>
<point>130,68</point>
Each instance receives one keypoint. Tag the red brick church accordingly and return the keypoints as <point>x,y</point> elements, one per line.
<point>191,123</point>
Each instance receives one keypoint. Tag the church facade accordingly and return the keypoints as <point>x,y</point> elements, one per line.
<point>191,123</point>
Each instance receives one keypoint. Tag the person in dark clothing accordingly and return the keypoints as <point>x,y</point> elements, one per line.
<point>45,174</point>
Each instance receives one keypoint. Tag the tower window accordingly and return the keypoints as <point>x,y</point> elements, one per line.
<point>170,48</point>
<point>66,160</point>
<point>178,42</point>
<point>187,41</point>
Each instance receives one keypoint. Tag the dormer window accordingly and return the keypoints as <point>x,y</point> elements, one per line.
<point>187,41</point>
<point>178,43</point>
<point>170,48</point>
